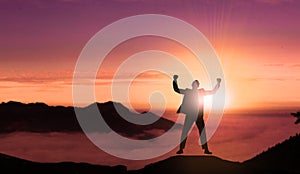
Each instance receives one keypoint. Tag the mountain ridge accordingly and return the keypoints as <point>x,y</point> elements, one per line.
<point>281,158</point>
<point>39,117</point>
<point>177,164</point>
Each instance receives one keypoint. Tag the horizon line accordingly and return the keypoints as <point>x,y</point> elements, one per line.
<point>232,109</point>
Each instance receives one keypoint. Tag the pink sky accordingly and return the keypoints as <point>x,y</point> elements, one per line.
<point>257,42</point>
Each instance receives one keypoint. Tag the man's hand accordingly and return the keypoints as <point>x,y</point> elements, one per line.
<point>175,77</point>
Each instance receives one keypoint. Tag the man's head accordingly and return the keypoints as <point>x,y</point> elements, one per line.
<point>195,84</point>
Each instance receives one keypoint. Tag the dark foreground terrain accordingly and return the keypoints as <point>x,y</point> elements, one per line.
<point>284,158</point>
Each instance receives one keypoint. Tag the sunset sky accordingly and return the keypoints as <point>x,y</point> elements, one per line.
<point>257,42</point>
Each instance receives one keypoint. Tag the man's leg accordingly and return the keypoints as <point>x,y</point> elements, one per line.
<point>202,133</point>
<point>188,123</point>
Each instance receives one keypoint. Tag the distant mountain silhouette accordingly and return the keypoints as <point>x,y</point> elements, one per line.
<point>39,117</point>
<point>280,159</point>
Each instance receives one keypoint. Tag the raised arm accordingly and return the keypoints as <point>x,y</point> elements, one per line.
<point>175,85</point>
<point>213,91</point>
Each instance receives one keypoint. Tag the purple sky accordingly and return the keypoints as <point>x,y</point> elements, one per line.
<point>43,39</point>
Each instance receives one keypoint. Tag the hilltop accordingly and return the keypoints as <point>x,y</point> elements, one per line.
<point>282,158</point>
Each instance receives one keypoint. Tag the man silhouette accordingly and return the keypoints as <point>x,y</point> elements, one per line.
<point>192,106</point>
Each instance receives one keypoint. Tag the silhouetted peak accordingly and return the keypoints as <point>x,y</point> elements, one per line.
<point>39,104</point>
<point>108,103</point>
<point>108,106</point>
<point>15,103</point>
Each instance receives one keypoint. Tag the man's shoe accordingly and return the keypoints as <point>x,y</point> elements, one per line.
<point>180,151</point>
<point>206,151</point>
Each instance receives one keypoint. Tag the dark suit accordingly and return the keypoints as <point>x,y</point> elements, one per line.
<point>192,106</point>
